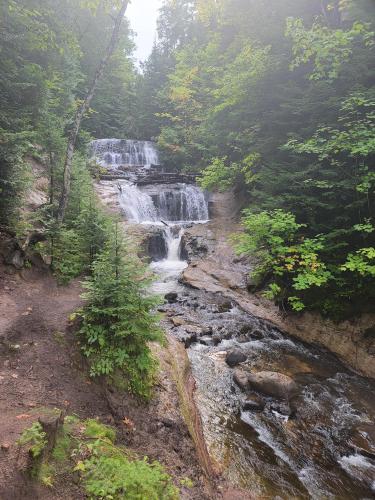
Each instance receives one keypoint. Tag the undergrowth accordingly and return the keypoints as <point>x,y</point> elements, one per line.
<point>105,470</point>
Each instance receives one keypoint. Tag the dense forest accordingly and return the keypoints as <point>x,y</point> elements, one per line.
<point>273,99</point>
<point>276,99</point>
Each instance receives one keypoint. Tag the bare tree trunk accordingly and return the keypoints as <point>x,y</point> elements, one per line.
<point>82,110</point>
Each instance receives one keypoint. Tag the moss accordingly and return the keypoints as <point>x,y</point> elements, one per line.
<point>96,430</point>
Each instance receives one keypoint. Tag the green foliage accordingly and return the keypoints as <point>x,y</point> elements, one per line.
<point>35,437</point>
<point>361,262</point>
<point>110,473</point>
<point>96,430</point>
<point>328,48</point>
<point>117,321</point>
<point>276,99</point>
<point>283,255</point>
<point>219,175</point>
<point>106,470</point>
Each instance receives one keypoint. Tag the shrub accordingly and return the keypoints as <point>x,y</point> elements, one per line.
<point>35,437</point>
<point>118,320</point>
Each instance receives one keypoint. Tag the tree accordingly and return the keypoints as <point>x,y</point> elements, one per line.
<point>82,110</point>
<point>118,319</point>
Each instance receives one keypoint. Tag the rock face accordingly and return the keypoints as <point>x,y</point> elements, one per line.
<point>235,357</point>
<point>273,384</point>
<point>157,246</point>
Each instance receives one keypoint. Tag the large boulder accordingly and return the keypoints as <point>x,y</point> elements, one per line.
<point>273,384</point>
<point>235,357</point>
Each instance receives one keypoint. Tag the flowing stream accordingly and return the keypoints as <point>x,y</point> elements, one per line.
<point>319,445</point>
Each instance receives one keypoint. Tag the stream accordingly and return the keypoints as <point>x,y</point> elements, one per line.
<point>317,443</point>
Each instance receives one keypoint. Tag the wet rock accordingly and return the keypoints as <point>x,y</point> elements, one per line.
<point>207,330</point>
<point>187,338</point>
<point>253,402</point>
<point>256,335</point>
<point>206,340</point>
<point>171,297</point>
<point>273,384</point>
<point>281,407</point>
<point>241,379</point>
<point>177,321</point>
<point>363,440</point>
<point>216,339</point>
<point>235,357</point>
<point>157,246</point>
<point>224,306</point>
<point>242,339</point>
<point>250,333</point>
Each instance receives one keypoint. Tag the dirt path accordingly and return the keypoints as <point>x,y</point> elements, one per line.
<point>40,367</point>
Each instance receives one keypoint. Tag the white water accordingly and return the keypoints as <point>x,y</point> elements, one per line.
<point>172,209</point>
<point>172,266</point>
<point>137,206</point>
<point>113,153</point>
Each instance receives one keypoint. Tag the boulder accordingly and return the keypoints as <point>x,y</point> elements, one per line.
<point>216,339</point>
<point>256,335</point>
<point>186,338</point>
<point>253,402</point>
<point>241,379</point>
<point>235,357</point>
<point>250,333</point>
<point>273,384</point>
<point>171,297</point>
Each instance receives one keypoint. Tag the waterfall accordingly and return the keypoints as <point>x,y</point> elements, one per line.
<point>183,203</point>
<point>168,209</point>
<point>173,237</point>
<point>137,206</point>
<point>113,153</point>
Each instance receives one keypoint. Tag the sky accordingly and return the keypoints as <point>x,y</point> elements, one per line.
<point>142,15</point>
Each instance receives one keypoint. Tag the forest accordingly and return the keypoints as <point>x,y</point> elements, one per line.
<point>271,101</point>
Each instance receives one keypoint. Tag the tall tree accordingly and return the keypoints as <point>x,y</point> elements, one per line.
<point>82,109</point>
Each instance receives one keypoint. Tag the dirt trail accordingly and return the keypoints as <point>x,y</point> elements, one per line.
<point>40,367</point>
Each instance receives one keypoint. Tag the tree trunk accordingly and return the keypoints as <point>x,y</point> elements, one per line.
<point>82,110</point>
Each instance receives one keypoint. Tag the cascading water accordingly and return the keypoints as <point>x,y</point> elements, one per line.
<point>113,153</point>
<point>170,208</point>
<point>183,203</point>
<point>137,206</point>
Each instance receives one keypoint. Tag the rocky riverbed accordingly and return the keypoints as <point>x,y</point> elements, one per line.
<point>280,418</point>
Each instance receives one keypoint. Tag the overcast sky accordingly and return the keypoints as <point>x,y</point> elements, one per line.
<point>142,15</point>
